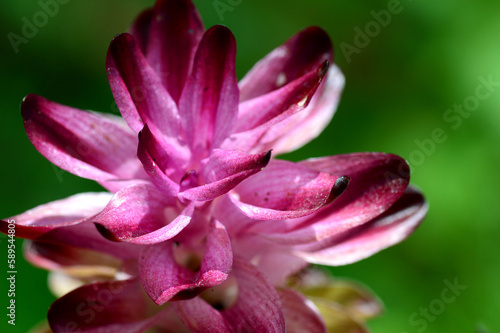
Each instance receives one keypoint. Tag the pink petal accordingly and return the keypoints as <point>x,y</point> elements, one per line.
<point>170,322</point>
<point>71,260</point>
<point>89,145</point>
<point>301,314</point>
<point>209,102</point>
<point>115,306</point>
<point>277,262</point>
<point>301,128</point>
<point>140,214</point>
<point>235,221</point>
<point>164,279</point>
<point>65,212</point>
<point>377,181</point>
<point>67,222</point>
<point>201,317</point>
<point>175,33</point>
<point>140,29</point>
<point>223,171</point>
<point>395,225</point>
<point>138,91</point>
<point>85,235</point>
<point>165,164</point>
<point>258,307</point>
<point>280,103</point>
<point>300,54</point>
<point>285,190</point>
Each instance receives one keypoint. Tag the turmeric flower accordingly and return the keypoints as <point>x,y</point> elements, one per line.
<point>201,229</point>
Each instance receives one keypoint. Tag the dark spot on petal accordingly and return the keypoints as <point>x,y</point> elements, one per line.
<point>106,233</point>
<point>339,187</point>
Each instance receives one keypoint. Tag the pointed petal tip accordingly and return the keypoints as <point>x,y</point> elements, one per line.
<point>106,233</point>
<point>266,158</point>
<point>119,42</point>
<point>29,104</point>
<point>338,188</point>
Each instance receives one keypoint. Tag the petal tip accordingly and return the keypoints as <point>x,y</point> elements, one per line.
<point>106,233</point>
<point>338,188</point>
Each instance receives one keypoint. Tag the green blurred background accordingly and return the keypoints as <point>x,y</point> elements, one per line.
<point>398,89</point>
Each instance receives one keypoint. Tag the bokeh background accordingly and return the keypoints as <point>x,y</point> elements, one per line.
<point>399,87</point>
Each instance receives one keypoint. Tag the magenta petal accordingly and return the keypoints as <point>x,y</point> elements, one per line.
<point>115,306</point>
<point>163,162</point>
<point>301,314</point>
<point>138,91</point>
<point>223,171</point>
<point>299,129</point>
<point>138,214</point>
<point>300,54</point>
<point>164,279</point>
<point>285,190</point>
<point>392,227</point>
<point>175,33</point>
<point>87,144</point>
<point>170,322</point>
<point>258,307</point>
<point>280,103</point>
<point>201,317</point>
<point>67,222</point>
<point>86,236</point>
<point>209,102</point>
<point>65,212</point>
<point>69,259</point>
<point>140,29</point>
<point>377,181</point>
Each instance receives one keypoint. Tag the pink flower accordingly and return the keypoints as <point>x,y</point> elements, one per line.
<point>201,220</point>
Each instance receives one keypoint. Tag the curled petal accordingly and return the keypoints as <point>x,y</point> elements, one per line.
<point>87,144</point>
<point>285,190</point>
<point>73,261</point>
<point>209,101</point>
<point>140,214</point>
<point>165,279</point>
<point>162,161</point>
<point>396,224</point>
<point>280,103</point>
<point>300,128</point>
<point>61,213</point>
<point>297,56</point>
<point>115,306</point>
<point>138,91</point>
<point>377,181</point>
<point>223,171</point>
